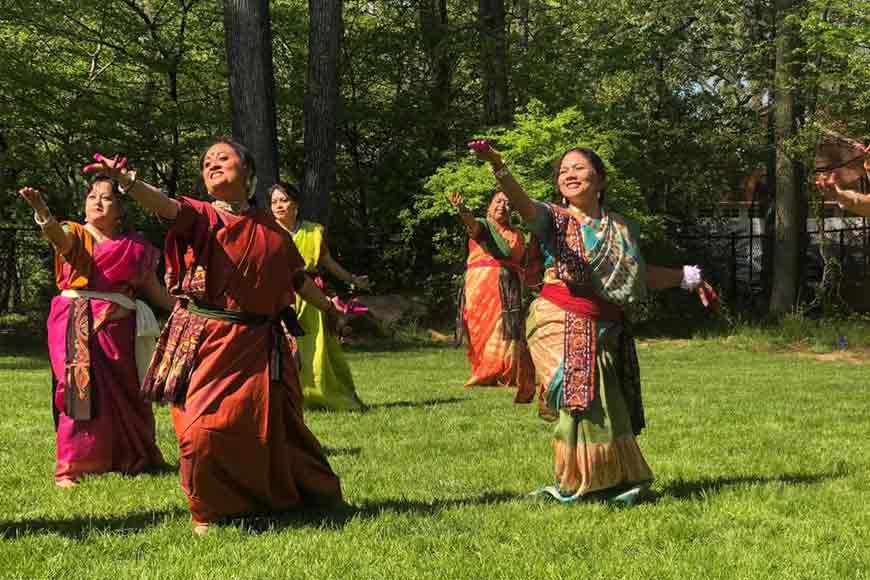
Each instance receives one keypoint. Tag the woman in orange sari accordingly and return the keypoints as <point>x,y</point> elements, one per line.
<point>490,309</point>
<point>223,360</point>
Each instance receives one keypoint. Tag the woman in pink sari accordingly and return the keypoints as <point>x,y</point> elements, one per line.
<point>102,422</point>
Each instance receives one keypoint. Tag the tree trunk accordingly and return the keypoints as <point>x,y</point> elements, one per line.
<point>433,24</point>
<point>173,169</point>
<point>248,33</point>
<point>497,106</point>
<point>520,79</point>
<point>787,219</point>
<point>321,107</point>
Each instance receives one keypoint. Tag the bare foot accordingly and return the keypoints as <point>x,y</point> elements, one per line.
<point>65,483</point>
<point>200,529</point>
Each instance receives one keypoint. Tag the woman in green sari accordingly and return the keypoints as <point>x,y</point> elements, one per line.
<point>327,382</point>
<point>584,355</point>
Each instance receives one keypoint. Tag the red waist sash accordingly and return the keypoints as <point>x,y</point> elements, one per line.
<point>493,263</point>
<point>588,306</point>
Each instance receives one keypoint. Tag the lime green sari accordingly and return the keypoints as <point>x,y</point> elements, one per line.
<point>326,379</point>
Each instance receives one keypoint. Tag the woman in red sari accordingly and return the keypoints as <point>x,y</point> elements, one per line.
<point>490,308</point>
<point>223,360</point>
<point>102,422</point>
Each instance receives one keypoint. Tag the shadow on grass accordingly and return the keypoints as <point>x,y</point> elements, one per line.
<point>389,405</point>
<point>417,404</point>
<point>79,528</point>
<point>338,518</point>
<point>342,451</point>
<point>704,487</point>
<point>24,360</point>
<point>387,346</point>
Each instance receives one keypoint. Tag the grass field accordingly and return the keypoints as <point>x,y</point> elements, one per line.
<point>761,459</point>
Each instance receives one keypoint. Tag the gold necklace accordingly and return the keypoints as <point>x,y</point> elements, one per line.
<point>234,207</point>
<point>583,217</point>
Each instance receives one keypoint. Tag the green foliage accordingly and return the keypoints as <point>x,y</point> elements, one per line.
<point>530,148</point>
<point>676,97</point>
<point>124,77</point>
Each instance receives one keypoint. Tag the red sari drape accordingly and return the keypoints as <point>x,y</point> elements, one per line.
<point>245,448</point>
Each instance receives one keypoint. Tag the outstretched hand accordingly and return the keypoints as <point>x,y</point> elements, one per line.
<point>334,321</point>
<point>33,198</point>
<point>114,167</point>
<point>708,296</point>
<point>362,282</point>
<point>827,184</point>
<point>456,200</point>
<point>484,151</point>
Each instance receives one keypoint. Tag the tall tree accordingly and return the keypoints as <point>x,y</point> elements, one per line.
<point>321,107</point>
<point>248,33</point>
<point>523,24</point>
<point>789,216</point>
<point>497,106</point>
<point>434,28</point>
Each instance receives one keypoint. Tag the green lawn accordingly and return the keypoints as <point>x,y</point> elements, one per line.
<point>762,465</point>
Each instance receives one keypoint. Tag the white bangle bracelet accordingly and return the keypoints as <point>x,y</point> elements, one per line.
<point>42,222</point>
<point>125,189</point>
<point>691,278</point>
<point>503,172</point>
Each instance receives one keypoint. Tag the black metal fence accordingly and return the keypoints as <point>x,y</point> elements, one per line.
<point>740,261</point>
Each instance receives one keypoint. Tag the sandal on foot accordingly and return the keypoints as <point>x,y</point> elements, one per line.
<point>552,491</point>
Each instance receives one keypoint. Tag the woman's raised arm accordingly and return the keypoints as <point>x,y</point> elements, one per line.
<point>471,225</point>
<point>51,229</point>
<point>147,195</point>
<point>520,200</point>
<point>846,198</point>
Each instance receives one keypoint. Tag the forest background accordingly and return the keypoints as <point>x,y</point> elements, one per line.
<point>373,102</point>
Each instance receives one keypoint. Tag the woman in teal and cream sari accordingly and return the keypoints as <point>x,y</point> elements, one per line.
<point>327,382</point>
<point>584,357</point>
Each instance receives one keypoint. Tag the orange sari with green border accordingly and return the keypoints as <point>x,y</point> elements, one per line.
<point>491,311</point>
